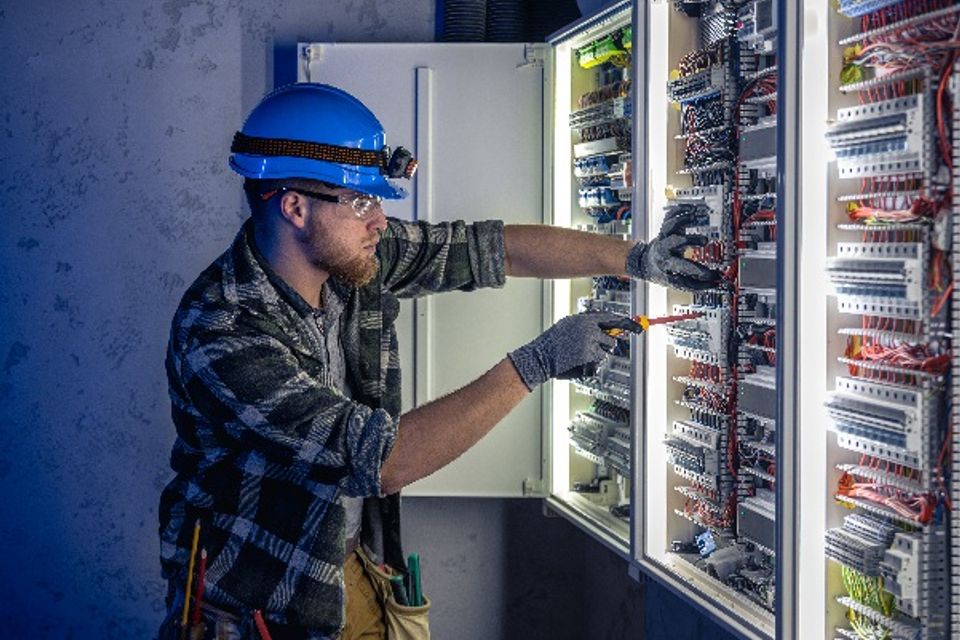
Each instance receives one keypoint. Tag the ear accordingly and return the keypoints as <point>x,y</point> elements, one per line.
<point>294,208</point>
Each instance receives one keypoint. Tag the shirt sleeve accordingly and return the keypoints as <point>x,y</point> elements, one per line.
<point>258,391</point>
<point>417,258</point>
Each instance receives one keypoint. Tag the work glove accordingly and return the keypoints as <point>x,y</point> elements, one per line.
<point>661,260</point>
<point>572,348</point>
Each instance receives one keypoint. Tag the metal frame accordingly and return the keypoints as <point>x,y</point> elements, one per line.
<point>638,301</point>
<point>789,211</point>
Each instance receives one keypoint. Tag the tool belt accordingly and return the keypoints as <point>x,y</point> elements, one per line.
<point>402,622</point>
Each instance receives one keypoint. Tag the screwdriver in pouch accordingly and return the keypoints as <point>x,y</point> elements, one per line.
<point>637,324</point>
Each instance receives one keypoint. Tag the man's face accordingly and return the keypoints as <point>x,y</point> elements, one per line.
<point>336,240</point>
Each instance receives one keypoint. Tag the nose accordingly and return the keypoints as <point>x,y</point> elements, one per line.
<point>377,219</point>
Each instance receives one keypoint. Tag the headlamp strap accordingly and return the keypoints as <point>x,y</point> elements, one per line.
<point>398,164</point>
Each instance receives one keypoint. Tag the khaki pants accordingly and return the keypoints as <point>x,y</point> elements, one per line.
<point>365,619</point>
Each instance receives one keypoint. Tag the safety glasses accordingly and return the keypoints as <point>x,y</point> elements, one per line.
<point>361,203</point>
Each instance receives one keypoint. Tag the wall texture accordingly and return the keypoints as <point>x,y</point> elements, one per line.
<point>115,118</point>
<point>114,124</point>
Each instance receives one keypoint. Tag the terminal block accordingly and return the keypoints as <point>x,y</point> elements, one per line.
<point>879,278</point>
<point>698,434</point>
<point>860,543</point>
<point>620,228</point>
<point>757,25</point>
<point>618,450</point>
<point>703,339</point>
<point>856,8</point>
<point>606,111</point>
<point>882,138</point>
<point>882,420</point>
<point>607,300</point>
<point>696,463</point>
<point>697,86</point>
<point>709,203</point>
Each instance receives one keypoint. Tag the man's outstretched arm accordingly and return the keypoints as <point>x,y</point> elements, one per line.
<point>542,251</point>
<point>432,436</point>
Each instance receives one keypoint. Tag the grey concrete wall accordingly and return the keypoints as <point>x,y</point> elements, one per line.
<point>521,578</point>
<point>500,569</point>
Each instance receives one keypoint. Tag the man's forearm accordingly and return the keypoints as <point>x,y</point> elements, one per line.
<point>542,251</point>
<point>432,436</point>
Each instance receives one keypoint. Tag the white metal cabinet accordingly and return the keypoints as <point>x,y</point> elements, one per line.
<point>472,115</point>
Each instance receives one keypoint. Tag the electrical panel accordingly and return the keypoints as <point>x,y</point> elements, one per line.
<point>890,281</point>
<point>593,120</point>
<point>711,382</point>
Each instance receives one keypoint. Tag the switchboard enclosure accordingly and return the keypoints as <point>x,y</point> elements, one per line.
<point>707,434</point>
<point>592,117</point>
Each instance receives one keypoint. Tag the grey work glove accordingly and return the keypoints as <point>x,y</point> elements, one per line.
<point>572,348</point>
<point>661,260</point>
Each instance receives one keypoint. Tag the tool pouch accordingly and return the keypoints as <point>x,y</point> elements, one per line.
<point>403,623</point>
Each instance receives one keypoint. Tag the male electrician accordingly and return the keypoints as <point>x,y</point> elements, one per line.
<point>284,379</point>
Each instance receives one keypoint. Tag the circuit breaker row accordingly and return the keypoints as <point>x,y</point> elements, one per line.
<point>722,452</point>
<point>601,126</point>
<point>889,275</point>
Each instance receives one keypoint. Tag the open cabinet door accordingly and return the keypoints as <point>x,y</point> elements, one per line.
<point>472,115</point>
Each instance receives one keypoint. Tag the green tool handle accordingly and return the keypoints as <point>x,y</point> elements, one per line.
<point>415,591</point>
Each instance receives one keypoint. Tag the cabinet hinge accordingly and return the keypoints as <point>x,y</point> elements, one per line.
<point>532,487</point>
<point>532,56</point>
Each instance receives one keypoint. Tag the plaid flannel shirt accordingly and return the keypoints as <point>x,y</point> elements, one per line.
<point>265,445</point>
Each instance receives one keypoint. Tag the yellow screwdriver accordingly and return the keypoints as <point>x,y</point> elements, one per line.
<point>616,329</point>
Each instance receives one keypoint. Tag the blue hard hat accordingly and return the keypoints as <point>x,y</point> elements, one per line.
<point>319,132</point>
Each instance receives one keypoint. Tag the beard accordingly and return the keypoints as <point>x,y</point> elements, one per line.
<point>357,271</point>
<point>335,259</point>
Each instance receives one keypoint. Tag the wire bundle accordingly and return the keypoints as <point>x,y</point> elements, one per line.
<point>920,208</point>
<point>917,357</point>
<point>918,507</point>
<point>619,89</point>
<point>711,515</point>
<point>703,151</point>
<point>709,372</point>
<point>611,411</point>
<point>900,11</point>
<point>619,129</point>
<point>700,116</point>
<point>868,591</point>
<point>700,60</point>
